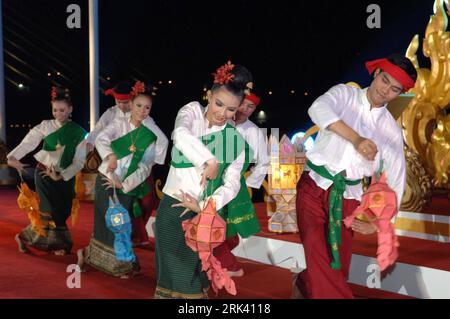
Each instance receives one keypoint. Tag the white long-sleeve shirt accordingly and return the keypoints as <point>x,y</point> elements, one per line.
<point>350,104</point>
<point>190,125</point>
<point>111,114</point>
<point>258,143</point>
<point>50,158</point>
<point>155,153</point>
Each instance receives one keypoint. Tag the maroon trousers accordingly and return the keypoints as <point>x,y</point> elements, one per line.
<point>148,204</point>
<point>225,256</point>
<point>319,280</point>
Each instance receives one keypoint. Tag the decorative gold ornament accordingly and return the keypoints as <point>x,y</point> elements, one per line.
<point>418,183</point>
<point>132,148</point>
<point>426,127</point>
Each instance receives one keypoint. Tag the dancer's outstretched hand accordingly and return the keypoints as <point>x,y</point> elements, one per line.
<point>110,183</point>
<point>189,202</point>
<point>365,228</point>
<point>18,165</point>
<point>52,173</point>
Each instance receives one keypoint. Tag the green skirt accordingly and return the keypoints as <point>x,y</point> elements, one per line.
<point>55,204</point>
<point>178,267</point>
<point>100,252</point>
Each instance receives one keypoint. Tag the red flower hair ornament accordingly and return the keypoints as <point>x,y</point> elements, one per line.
<point>54,94</point>
<point>138,88</point>
<point>223,75</point>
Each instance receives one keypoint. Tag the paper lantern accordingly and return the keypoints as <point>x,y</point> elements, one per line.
<point>379,205</point>
<point>203,233</point>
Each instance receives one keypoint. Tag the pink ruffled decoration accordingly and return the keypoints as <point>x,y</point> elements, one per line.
<point>203,233</point>
<point>379,205</point>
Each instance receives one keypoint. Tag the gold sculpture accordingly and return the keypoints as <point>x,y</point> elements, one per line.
<point>426,127</point>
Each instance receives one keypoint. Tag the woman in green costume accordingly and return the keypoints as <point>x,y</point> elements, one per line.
<point>129,148</point>
<point>207,159</point>
<point>62,156</point>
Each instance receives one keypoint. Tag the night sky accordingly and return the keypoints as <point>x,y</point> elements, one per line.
<point>287,45</point>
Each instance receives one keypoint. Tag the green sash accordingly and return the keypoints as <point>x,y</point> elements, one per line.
<point>335,209</point>
<point>241,214</point>
<point>217,144</point>
<point>69,135</point>
<point>141,137</point>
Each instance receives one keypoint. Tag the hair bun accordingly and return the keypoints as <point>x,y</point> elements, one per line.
<point>242,79</point>
<point>60,94</point>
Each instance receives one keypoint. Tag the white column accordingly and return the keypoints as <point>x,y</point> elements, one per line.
<point>93,63</point>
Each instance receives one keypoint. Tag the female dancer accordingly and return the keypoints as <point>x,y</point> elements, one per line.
<point>205,148</point>
<point>62,156</point>
<point>129,149</point>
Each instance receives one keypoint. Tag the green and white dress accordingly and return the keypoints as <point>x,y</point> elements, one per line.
<point>64,148</point>
<point>137,150</point>
<point>178,268</point>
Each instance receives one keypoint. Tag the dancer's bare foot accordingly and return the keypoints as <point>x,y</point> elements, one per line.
<point>60,252</point>
<point>296,293</point>
<point>131,274</point>
<point>80,262</point>
<point>237,273</point>
<point>21,245</point>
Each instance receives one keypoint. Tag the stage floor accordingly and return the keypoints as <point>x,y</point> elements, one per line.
<point>42,275</point>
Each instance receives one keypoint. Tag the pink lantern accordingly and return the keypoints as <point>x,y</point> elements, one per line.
<point>379,205</point>
<point>203,233</point>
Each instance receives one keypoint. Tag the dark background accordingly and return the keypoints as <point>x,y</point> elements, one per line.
<point>305,46</point>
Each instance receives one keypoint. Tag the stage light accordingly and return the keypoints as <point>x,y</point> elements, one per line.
<point>58,73</point>
<point>270,92</point>
<point>160,82</point>
<point>20,86</point>
<point>309,143</point>
<point>49,74</point>
<point>292,92</point>
<point>262,117</point>
<point>108,78</point>
<point>306,93</point>
<point>170,81</point>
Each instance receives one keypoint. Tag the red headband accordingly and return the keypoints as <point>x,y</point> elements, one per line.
<point>395,71</point>
<point>252,97</point>
<point>118,96</point>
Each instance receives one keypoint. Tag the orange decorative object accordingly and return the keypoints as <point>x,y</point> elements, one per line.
<point>79,194</point>
<point>28,202</point>
<point>379,205</point>
<point>203,233</point>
